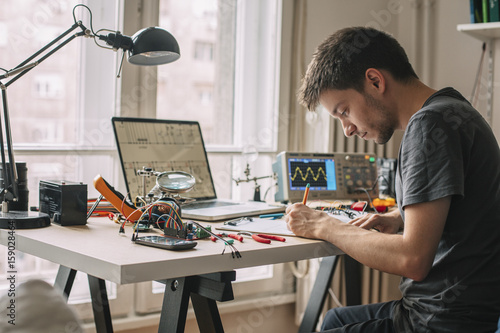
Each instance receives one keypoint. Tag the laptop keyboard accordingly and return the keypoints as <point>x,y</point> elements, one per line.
<point>209,204</point>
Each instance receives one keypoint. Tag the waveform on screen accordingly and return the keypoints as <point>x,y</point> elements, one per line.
<point>298,171</point>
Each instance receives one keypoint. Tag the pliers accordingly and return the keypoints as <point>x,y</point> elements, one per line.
<point>263,238</point>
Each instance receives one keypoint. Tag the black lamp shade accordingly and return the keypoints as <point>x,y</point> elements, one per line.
<point>153,46</point>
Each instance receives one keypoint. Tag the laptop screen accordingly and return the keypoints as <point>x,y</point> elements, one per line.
<point>162,145</point>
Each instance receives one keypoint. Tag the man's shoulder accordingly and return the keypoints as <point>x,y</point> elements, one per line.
<point>445,108</point>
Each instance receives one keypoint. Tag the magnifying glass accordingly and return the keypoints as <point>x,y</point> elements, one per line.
<point>175,181</point>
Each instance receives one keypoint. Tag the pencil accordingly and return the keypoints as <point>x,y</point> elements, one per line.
<point>306,193</point>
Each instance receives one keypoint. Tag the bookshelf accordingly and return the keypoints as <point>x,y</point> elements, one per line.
<point>488,33</point>
<point>482,31</point>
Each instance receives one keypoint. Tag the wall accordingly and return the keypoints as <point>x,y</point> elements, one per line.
<point>441,55</point>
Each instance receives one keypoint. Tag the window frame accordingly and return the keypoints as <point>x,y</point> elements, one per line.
<point>136,96</point>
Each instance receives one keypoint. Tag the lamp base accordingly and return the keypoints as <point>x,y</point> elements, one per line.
<point>23,220</point>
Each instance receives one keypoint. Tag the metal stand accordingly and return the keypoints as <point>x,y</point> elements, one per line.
<point>256,194</point>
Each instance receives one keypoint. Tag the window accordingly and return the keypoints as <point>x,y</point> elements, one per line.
<point>229,86</point>
<point>203,51</point>
<point>48,86</point>
<point>225,79</point>
<point>237,92</point>
<point>59,112</point>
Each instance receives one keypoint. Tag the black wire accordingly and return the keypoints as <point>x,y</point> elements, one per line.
<point>3,69</point>
<point>267,191</point>
<point>234,252</point>
<point>90,12</point>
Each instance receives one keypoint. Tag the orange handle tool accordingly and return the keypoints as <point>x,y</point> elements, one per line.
<point>272,237</point>
<point>237,237</point>
<point>117,199</point>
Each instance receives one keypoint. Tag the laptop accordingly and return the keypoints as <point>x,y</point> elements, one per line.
<point>173,145</point>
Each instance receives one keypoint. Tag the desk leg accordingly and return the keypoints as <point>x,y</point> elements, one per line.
<point>207,314</point>
<point>175,304</point>
<point>353,270</point>
<point>205,290</point>
<point>318,294</point>
<point>64,280</point>
<point>100,305</point>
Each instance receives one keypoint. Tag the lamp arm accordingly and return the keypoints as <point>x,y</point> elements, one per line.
<point>9,172</point>
<point>78,24</point>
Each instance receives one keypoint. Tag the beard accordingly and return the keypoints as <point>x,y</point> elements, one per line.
<point>384,124</point>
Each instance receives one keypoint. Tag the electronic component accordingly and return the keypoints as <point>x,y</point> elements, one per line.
<point>65,202</point>
<point>387,177</point>
<point>166,243</point>
<point>331,176</point>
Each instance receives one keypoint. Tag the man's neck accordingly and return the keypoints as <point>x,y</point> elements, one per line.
<point>409,99</point>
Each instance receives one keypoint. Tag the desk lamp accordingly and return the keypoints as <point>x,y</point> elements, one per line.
<point>148,47</point>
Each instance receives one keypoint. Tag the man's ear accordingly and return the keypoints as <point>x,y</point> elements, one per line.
<point>375,80</point>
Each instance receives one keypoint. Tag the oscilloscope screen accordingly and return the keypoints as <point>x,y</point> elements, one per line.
<point>318,173</point>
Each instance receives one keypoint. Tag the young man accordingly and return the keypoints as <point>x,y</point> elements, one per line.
<point>445,238</point>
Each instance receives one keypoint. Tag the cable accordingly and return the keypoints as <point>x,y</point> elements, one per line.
<point>234,252</point>
<point>334,298</point>
<point>475,90</point>
<point>369,198</point>
<point>101,46</point>
<point>94,33</point>
<point>296,272</point>
<point>90,13</point>
<point>267,191</point>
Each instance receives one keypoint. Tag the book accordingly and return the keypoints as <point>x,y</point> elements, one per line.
<point>476,11</point>
<point>494,10</point>
<point>485,11</point>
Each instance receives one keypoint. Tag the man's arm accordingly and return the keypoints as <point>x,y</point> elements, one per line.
<point>410,254</point>
<point>389,223</point>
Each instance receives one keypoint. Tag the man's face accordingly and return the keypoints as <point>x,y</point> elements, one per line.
<point>360,114</point>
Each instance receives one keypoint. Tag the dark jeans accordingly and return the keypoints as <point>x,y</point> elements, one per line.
<point>371,318</point>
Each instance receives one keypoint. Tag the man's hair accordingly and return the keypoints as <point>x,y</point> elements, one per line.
<point>340,62</point>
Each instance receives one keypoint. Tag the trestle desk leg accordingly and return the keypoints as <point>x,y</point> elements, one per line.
<point>207,314</point>
<point>318,294</point>
<point>100,305</point>
<point>64,280</point>
<point>205,290</point>
<point>353,271</point>
<point>175,305</point>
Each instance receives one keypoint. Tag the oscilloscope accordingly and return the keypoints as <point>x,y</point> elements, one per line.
<point>333,176</point>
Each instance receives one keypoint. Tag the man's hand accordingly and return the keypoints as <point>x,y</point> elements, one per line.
<point>389,223</point>
<point>410,254</point>
<point>306,222</point>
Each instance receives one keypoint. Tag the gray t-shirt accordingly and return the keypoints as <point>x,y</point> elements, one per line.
<point>449,150</point>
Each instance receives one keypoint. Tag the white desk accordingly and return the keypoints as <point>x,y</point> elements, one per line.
<point>98,250</point>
